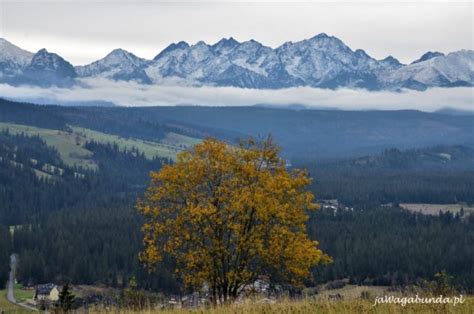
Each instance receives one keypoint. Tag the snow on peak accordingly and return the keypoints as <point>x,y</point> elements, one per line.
<point>325,41</point>
<point>227,42</point>
<point>47,61</point>
<point>321,36</point>
<point>225,45</point>
<point>454,69</point>
<point>390,63</point>
<point>391,60</point>
<point>361,53</point>
<point>13,54</point>
<point>120,57</point>
<point>428,55</point>
<point>321,61</point>
<point>182,45</point>
<point>118,64</point>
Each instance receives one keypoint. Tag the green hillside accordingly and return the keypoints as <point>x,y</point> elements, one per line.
<point>304,135</point>
<point>70,143</point>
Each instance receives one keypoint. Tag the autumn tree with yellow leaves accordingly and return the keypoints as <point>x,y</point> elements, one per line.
<point>228,214</point>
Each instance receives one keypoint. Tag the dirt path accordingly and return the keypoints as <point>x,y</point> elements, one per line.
<point>11,284</point>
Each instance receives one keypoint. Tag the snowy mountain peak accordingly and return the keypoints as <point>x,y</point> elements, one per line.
<point>390,63</point>
<point>428,55</point>
<point>231,41</point>
<point>48,69</point>
<point>391,60</point>
<point>324,42</point>
<point>47,61</point>
<point>249,44</point>
<point>322,61</point>
<point>200,43</point>
<point>466,53</point>
<point>119,64</point>
<point>119,51</point>
<point>321,36</point>
<point>324,38</point>
<point>454,69</point>
<point>13,55</point>
<point>119,56</point>
<point>225,43</point>
<point>182,45</point>
<point>361,53</point>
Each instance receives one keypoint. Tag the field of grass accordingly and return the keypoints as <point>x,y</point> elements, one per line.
<point>434,209</point>
<point>309,306</point>
<point>150,149</point>
<point>351,292</point>
<point>180,140</point>
<point>21,294</point>
<point>71,153</point>
<point>7,307</point>
<point>70,145</point>
<point>351,303</point>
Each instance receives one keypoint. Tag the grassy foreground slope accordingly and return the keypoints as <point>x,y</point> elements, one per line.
<point>310,306</point>
<point>20,295</point>
<point>8,307</point>
<point>71,144</point>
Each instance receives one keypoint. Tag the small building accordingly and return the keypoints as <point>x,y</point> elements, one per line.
<point>262,284</point>
<point>47,292</point>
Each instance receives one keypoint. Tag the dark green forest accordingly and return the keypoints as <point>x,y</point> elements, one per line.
<point>66,227</point>
<point>28,198</point>
<point>391,246</point>
<point>441,174</point>
<point>80,225</point>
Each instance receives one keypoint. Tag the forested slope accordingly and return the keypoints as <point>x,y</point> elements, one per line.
<point>303,134</point>
<point>441,174</point>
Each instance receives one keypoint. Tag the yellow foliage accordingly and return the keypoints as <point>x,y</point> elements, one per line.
<point>229,214</point>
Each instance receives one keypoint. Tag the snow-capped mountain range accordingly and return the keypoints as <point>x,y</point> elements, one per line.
<point>322,61</point>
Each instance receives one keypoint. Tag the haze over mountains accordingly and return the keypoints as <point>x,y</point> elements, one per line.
<point>322,61</point>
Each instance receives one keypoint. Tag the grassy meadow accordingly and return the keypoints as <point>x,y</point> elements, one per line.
<point>22,294</point>
<point>167,149</point>
<point>70,145</point>
<point>306,306</point>
<point>309,306</point>
<point>355,299</point>
<point>8,307</point>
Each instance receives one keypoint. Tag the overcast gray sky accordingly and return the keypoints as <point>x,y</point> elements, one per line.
<point>83,31</point>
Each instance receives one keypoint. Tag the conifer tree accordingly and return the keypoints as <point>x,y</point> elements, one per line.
<point>66,299</point>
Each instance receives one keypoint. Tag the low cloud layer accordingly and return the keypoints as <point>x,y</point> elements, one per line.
<point>133,94</point>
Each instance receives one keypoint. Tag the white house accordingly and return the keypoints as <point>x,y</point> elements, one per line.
<point>47,292</point>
